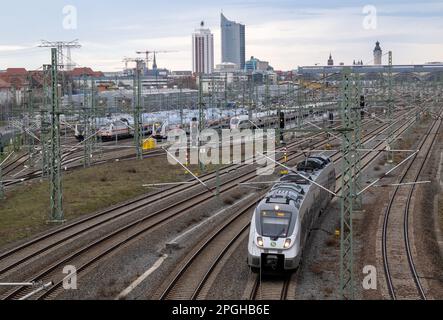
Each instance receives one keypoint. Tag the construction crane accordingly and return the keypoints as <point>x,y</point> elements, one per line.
<point>127,60</point>
<point>148,54</point>
<point>138,63</point>
<point>60,46</point>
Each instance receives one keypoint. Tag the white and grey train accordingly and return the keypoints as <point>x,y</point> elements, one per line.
<point>283,219</point>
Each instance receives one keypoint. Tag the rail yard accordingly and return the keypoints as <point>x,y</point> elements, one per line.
<point>321,184</point>
<point>195,231</point>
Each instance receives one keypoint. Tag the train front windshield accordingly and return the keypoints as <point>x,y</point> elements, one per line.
<point>275,224</point>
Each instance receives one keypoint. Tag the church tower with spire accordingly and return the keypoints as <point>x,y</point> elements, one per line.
<point>154,64</point>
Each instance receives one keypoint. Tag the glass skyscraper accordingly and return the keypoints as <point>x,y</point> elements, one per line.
<point>233,42</point>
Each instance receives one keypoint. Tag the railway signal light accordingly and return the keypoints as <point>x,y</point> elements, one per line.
<point>282,120</point>
<point>187,161</point>
<point>362,106</point>
<point>282,126</point>
<point>285,160</point>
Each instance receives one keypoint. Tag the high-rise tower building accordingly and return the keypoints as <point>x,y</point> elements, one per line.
<point>378,53</point>
<point>233,42</point>
<point>203,50</point>
<point>330,60</point>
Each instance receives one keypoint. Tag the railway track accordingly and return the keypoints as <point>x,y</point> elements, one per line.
<point>14,164</point>
<point>66,158</point>
<point>79,227</point>
<point>270,289</point>
<point>70,158</point>
<point>73,148</point>
<point>102,247</point>
<point>402,278</point>
<point>106,244</point>
<point>191,280</point>
<point>34,248</point>
<point>188,281</point>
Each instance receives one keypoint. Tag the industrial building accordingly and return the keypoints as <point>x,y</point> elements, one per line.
<point>368,70</point>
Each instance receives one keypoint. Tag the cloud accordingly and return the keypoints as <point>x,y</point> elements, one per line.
<point>163,43</point>
<point>4,48</point>
<point>285,33</point>
<point>133,27</point>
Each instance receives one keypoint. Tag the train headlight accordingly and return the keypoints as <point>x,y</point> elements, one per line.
<point>288,243</point>
<point>260,242</point>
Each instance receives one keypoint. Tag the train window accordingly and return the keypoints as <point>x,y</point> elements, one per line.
<point>310,165</point>
<point>324,160</point>
<point>275,224</point>
<point>277,199</point>
<point>297,179</point>
<point>275,227</point>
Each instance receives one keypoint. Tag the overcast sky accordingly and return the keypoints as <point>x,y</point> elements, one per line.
<point>287,33</point>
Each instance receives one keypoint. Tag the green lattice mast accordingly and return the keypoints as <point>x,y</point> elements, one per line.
<point>347,199</point>
<point>56,214</point>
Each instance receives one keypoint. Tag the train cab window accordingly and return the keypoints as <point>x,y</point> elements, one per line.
<point>296,179</point>
<point>275,224</point>
<point>324,160</point>
<point>310,164</point>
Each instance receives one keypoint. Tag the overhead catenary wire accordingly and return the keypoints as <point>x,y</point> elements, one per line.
<point>190,172</point>
<point>299,174</point>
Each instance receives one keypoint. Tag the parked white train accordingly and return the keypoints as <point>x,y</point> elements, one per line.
<point>113,129</point>
<point>271,119</point>
<point>283,219</point>
<point>118,129</point>
<point>260,120</point>
<point>157,125</point>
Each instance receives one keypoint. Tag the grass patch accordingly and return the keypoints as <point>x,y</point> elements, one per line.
<point>25,210</point>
